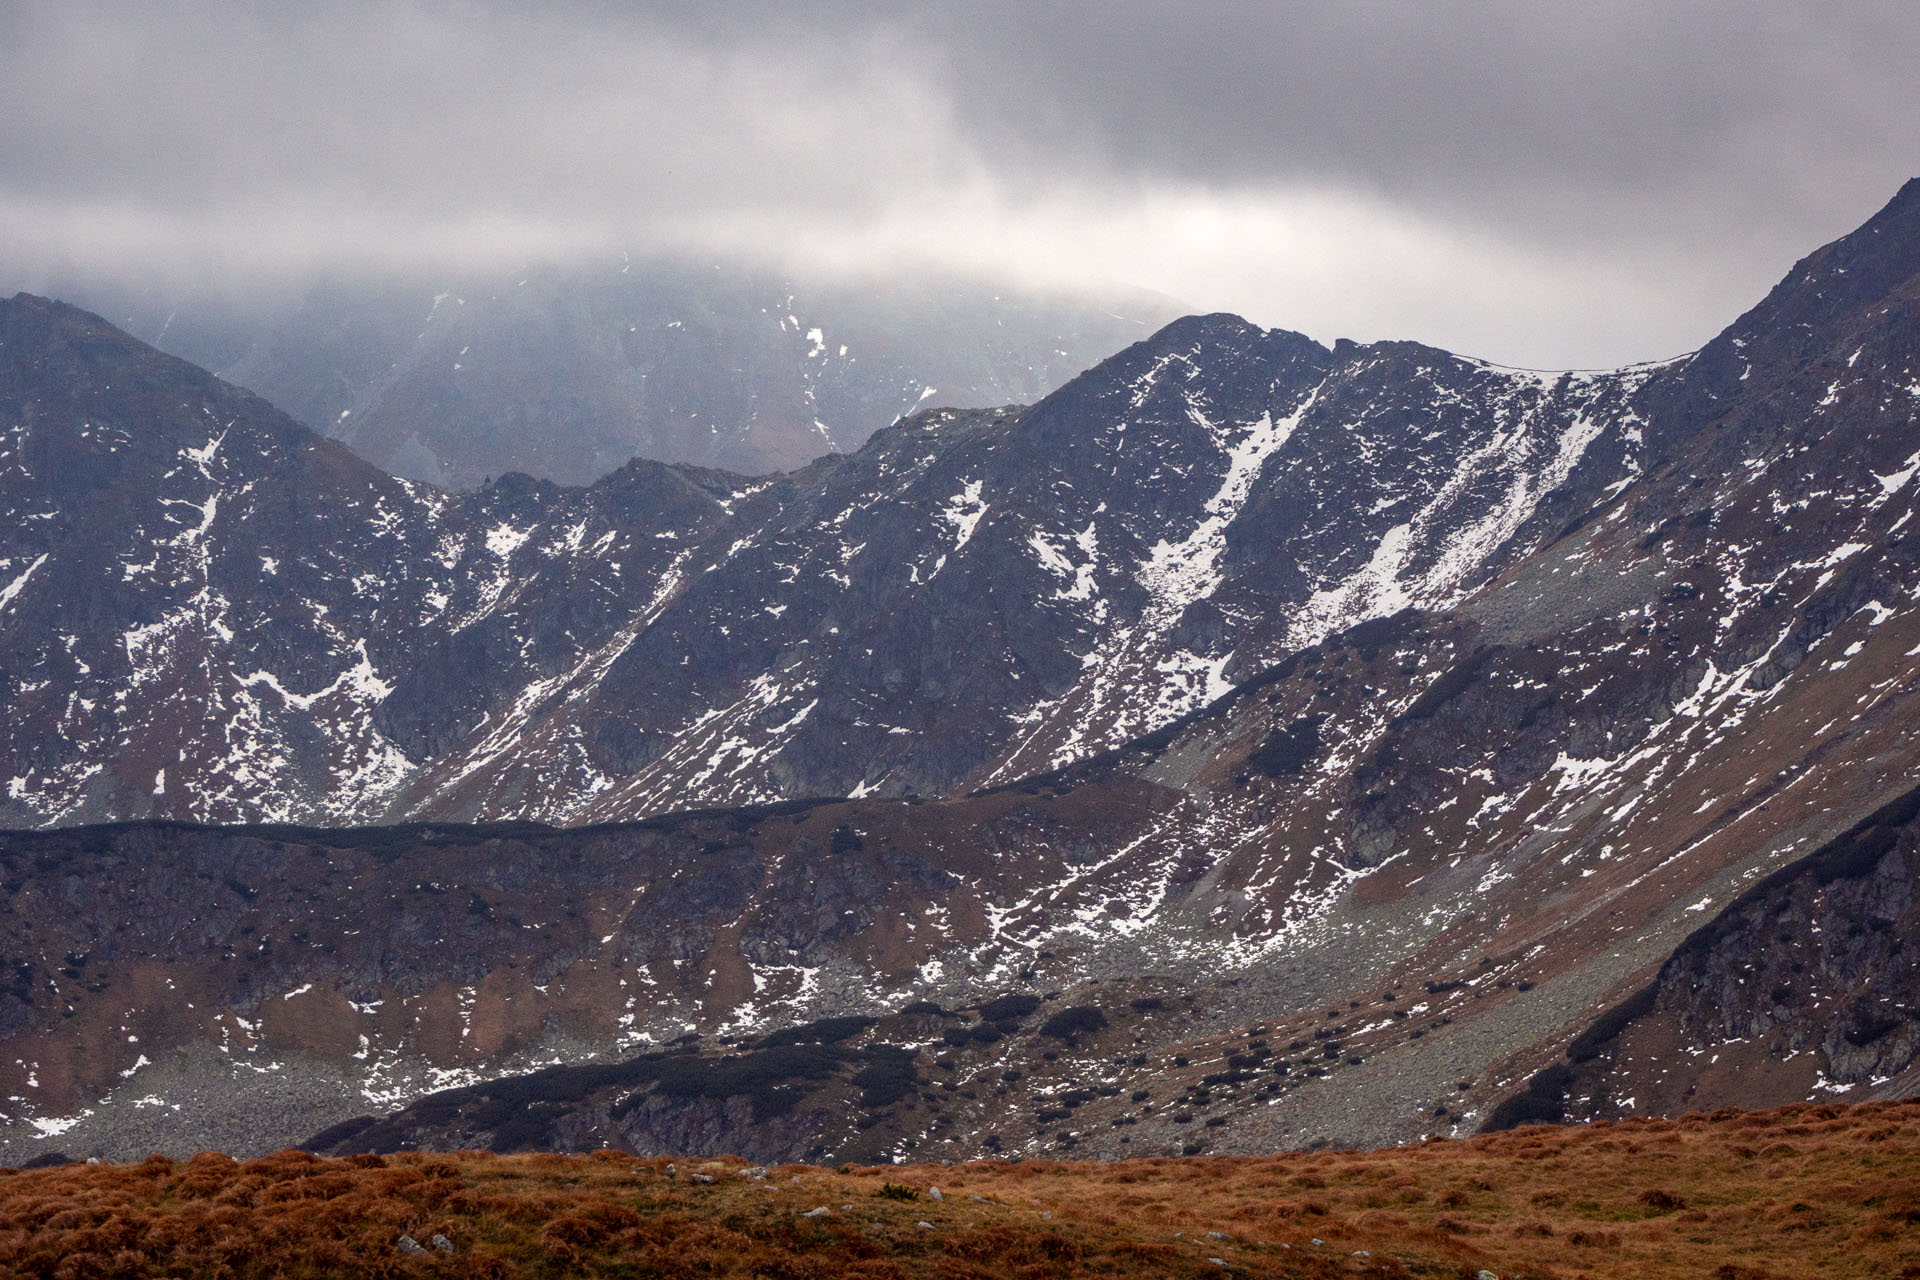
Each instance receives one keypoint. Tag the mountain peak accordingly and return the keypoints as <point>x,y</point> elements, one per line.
<point>1815,307</point>
<point>79,344</point>
<point>1214,328</point>
<point>1854,271</point>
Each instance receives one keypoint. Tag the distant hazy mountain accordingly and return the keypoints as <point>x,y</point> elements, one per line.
<point>565,375</point>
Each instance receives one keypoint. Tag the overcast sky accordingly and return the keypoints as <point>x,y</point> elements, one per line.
<point>1552,184</point>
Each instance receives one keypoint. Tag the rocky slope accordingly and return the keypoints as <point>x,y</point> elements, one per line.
<point>567,373</point>
<point>1807,985</point>
<point>1642,644</point>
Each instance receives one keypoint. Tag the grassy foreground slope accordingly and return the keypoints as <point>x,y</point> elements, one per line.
<point>1806,1191</point>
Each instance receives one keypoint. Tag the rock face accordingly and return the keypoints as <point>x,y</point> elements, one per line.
<point>568,374</point>
<point>1340,781</point>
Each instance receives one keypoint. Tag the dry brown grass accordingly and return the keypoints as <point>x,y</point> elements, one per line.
<point>1828,1191</point>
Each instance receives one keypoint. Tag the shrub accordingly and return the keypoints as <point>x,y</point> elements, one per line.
<point>888,1076</point>
<point>1009,1008</point>
<point>592,1223</point>
<point>1071,1022</point>
<point>769,1076</point>
<point>825,1031</point>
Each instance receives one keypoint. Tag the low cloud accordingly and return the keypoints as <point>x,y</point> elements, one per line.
<point>1523,182</point>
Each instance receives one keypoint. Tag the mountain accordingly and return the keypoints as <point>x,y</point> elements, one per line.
<point>567,373</point>
<point>236,621</point>
<point>1330,745</point>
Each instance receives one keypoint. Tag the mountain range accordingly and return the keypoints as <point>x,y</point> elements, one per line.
<point>1251,744</point>
<point>280,632</point>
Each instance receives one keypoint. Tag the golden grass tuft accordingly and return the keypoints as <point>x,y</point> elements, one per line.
<point>1798,1194</point>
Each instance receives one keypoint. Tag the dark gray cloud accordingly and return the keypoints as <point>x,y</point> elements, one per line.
<point>1538,183</point>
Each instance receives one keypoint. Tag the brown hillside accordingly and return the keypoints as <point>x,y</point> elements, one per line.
<point>1807,1191</point>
